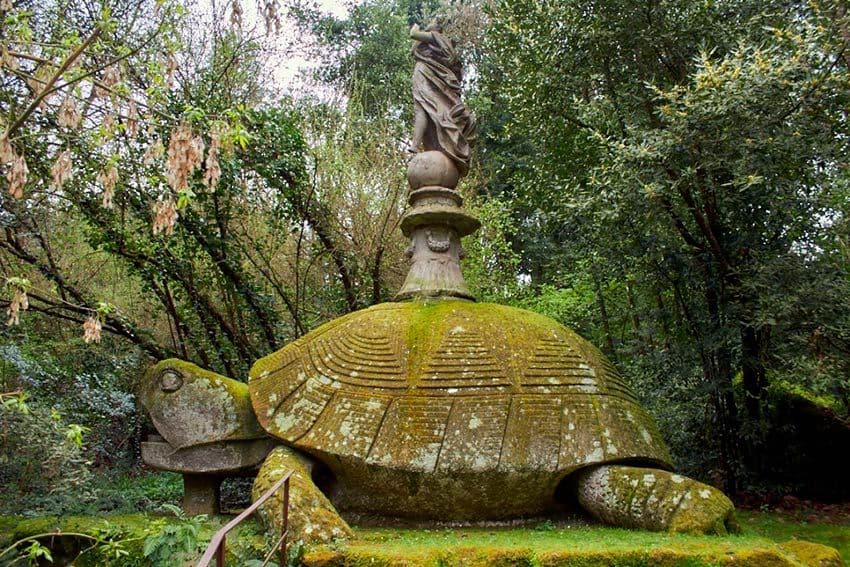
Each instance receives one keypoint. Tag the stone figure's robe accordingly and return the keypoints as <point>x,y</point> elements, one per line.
<point>436,88</point>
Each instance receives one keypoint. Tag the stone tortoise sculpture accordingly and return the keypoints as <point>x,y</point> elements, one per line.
<point>445,410</point>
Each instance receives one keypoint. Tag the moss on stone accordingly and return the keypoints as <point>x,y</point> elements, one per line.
<point>444,392</point>
<point>560,544</point>
<point>813,554</point>
<point>573,547</point>
<point>326,558</point>
<point>312,518</point>
<point>132,530</point>
<point>782,388</point>
<point>499,557</point>
<point>199,407</point>
<point>653,499</point>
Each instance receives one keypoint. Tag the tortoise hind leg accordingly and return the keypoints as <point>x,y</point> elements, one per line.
<point>653,499</point>
<point>312,518</point>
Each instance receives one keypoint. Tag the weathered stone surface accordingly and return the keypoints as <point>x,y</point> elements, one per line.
<point>653,499</point>
<point>435,270</point>
<point>213,458</point>
<point>201,494</point>
<point>441,121</point>
<point>813,554</point>
<point>450,409</point>
<point>312,518</point>
<point>192,406</point>
<point>432,168</point>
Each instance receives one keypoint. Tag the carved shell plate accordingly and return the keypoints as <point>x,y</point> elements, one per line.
<point>452,386</point>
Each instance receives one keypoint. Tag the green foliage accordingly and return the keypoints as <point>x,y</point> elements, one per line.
<point>687,167</point>
<point>365,55</point>
<point>120,541</point>
<point>40,453</point>
<point>92,391</point>
<point>36,551</point>
<point>133,491</point>
<point>491,265</point>
<point>171,543</point>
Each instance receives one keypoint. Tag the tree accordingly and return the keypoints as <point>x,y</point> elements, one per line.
<point>711,136</point>
<point>255,237</point>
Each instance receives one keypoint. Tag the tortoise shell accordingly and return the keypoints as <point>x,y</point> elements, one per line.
<point>446,389</point>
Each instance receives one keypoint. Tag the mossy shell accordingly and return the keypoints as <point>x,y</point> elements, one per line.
<point>444,406</point>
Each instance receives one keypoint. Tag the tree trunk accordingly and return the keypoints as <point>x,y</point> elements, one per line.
<point>603,314</point>
<point>718,372</point>
<point>753,343</point>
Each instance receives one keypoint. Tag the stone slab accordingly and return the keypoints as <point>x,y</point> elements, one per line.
<point>214,458</point>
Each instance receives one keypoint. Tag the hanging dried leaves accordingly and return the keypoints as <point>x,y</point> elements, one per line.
<point>236,14</point>
<point>271,15</point>
<point>38,81</point>
<point>185,154</point>
<point>7,152</point>
<point>164,216</point>
<point>8,60</point>
<point>61,170</point>
<point>91,329</point>
<point>111,77</point>
<point>6,5</point>
<point>170,70</point>
<point>213,169</point>
<point>107,179</point>
<point>154,152</point>
<point>68,115</point>
<point>17,177</point>
<point>132,119</point>
<point>20,302</point>
<point>108,123</point>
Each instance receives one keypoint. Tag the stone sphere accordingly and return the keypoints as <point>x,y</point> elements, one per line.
<point>432,168</point>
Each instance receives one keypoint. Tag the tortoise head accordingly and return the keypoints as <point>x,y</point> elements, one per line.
<point>192,406</point>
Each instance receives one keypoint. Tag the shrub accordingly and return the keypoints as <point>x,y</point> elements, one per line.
<point>41,455</point>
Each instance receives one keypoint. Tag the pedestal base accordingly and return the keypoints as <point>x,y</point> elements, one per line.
<point>201,494</point>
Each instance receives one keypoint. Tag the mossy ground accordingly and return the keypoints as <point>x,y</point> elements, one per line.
<point>580,544</point>
<point>783,527</point>
<point>568,543</point>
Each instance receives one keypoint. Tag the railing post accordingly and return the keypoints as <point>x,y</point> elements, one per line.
<point>219,556</point>
<point>285,523</point>
<point>217,545</point>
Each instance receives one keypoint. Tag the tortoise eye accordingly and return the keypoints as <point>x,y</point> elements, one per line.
<point>170,381</point>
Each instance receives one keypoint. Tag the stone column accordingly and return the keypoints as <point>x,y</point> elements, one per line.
<point>201,494</point>
<point>435,224</point>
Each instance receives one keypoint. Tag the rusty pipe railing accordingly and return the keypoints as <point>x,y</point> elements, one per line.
<point>217,546</point>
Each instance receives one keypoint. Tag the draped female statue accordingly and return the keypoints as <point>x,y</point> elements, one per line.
<point>441,121</point>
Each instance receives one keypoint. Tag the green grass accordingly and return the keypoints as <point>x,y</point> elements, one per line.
<point>577,543</point>
<point>548,544</point>
<point>781,527</point>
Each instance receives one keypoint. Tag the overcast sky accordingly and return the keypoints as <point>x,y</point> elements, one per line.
<point>286,44</point>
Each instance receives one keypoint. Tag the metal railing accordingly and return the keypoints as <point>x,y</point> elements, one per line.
<point>217,546</point>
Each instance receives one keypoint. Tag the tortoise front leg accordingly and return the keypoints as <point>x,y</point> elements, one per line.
<point>654,499</point>
<point>312,518</point>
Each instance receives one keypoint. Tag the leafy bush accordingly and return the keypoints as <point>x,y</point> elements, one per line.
<point>122,541</point>
<point>41,455</point>
<point>137,491</point>
<point>174,543</point>
<point>93,390</point>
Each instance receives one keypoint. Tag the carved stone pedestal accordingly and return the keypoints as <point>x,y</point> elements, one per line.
<point>435,224</point>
